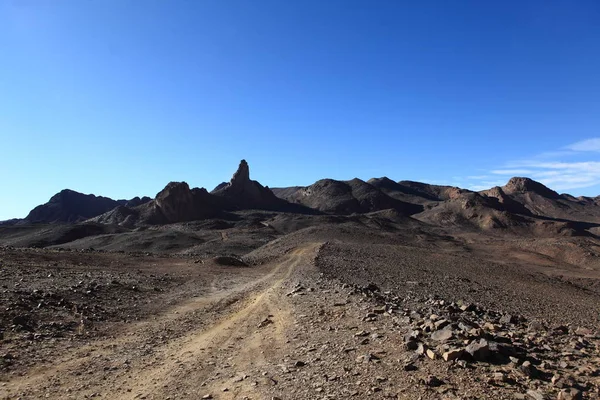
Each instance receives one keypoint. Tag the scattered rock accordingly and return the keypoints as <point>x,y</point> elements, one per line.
<point>443,335</point>
<point>433,381</point>
<point>570,394</point>
<point>265,322</point>
<point>409,366</point>
<point>480,351</point>
<point>452,354</point>
<point>535,395</point>
<point>430,353</point>
<point>499,377</point>
<point>528,369</point>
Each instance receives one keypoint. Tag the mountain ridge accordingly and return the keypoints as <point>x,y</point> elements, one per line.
<point>521,202</point>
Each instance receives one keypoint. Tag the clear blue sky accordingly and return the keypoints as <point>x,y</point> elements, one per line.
<point>120,97</point>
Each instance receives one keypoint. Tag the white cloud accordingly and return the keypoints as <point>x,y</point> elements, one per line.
<point>511,172</point>
<point>585,145</point>
<point>551,169</point>
<point>485,185</point>
<point>478,188</point>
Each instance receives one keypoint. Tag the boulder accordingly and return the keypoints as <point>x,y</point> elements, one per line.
<point>443,335</point>
<point>479,350</point>
<point>570,394</point>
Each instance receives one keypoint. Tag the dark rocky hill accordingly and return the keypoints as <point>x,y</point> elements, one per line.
<point>522,203</point>
<point>286,192</point>
<point>528,197</point>
<point>432,192</point>
<point>69,206</point>
<point>175,203</point>
<point>415,192</point>
<point>243,193</point>
<point>178,203</point>
<point>346,197</point>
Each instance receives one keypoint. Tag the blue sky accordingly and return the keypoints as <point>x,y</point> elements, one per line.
<point>120,97</point>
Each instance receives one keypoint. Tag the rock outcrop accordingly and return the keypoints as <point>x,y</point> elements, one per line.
<point>243,193</point>
<point>522,202</point>
<point>525,196</point>
<point>348,197</point>
<point>70,206</point>
<point>177,202</point>
<point>526,185</point>
<point>136,201</point>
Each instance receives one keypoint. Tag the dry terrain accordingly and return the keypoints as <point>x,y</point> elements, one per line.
<point>341,289</point>
<point>363,314</point>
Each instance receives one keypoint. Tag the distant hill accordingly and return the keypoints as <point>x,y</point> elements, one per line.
<point>178,203</point>
<point>528,197</point>
<point>175,203</point>
<point>345,197</point>
<point>416,192</point>
<point>69,206</point>
<point>243,193</point>
<point>520,204</point>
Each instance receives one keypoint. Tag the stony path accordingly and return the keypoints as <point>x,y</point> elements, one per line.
<point>155,358</point>
<point>295,334</point>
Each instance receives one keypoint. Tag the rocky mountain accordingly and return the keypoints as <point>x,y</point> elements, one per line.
<point>69,206</point>
<point>527,197</point>
<point>178,203</point>
<point>346,197</point>
<point>136,201</point>
<point>10,222</point>
<point>472,210</point>
<point>286,192</point>
<point>416,192</point>
<point>520,204</point>
<point>175,203</point>
<point>243,193</point>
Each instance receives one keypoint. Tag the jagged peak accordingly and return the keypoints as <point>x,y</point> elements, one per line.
<point>174,185</point>
<point>69,193</point>
<point>496,191</point>
<point>242,174</point>
<point>356,180</point>
<point>172,188</point>
<point>383,179</point>
<point>524,185</point>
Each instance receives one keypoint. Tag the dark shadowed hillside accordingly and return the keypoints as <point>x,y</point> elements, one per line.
<point>71,206</point>
<point>243,193</point>
<point>346,197</point>
<point>527,196</point>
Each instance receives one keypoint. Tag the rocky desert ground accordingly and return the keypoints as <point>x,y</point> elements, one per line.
<point>365,290</point>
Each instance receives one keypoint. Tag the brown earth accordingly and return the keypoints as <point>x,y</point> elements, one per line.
<point>320,312</point>
<point>341,289</point>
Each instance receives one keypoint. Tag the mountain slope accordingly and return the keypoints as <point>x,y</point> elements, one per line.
<point>528,197</point>
<point>175,203</point>
<point>415,192</point>
<point>346,197</point>
<point>178,203</point>
<point>71,206</point>
<point>243,193</point>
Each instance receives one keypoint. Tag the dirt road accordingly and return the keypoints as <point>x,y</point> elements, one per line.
<point>206,346</point>
<point>289,330</point>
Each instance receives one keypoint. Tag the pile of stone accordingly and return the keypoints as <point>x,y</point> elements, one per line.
<point>546,362</point>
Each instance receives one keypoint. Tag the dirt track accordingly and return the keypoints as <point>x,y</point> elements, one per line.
<point>142,361</point>
<point>280,330</point>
